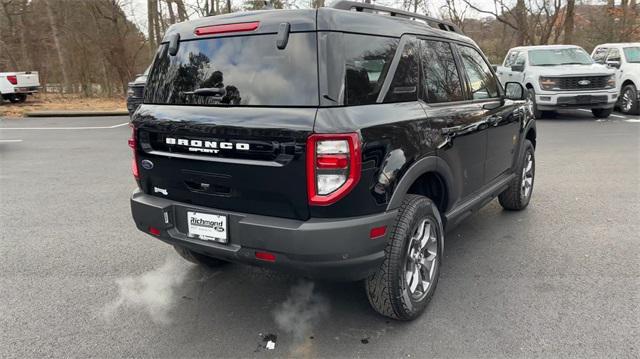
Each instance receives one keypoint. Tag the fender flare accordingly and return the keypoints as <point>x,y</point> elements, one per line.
<point>420,167</point>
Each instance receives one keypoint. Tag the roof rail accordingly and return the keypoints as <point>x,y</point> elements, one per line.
<point>363,7</point>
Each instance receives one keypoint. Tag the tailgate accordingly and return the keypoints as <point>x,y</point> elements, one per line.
<point>28,79</point>
<point>248,160</point>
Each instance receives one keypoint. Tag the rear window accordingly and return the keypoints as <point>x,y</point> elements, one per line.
<point>236,71</point>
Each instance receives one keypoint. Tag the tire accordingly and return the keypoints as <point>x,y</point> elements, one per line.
<point>516,197</point>
<point>531,96</point>
<point>389,289</point>
<point>601,112</point>
<point>198,258</point>
<point>19,98</point>
<point>629,102</point>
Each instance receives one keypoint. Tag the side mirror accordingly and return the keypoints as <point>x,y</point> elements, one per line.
<point>614,64</point>
<point>495,67</point>
<point>514,91</point>
<point>517,68</point>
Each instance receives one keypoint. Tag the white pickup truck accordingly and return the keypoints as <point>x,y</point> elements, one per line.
<point>15,86</point>
<point>624,58</point>
<point>560,76</point>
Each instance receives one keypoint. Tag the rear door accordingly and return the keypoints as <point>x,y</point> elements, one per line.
<point>225,121</point>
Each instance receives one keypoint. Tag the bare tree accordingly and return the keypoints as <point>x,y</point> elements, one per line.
<point>568,21</point>
<point>56,41</point>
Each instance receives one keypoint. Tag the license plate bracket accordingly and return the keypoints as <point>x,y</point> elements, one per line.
<point>207,226</point>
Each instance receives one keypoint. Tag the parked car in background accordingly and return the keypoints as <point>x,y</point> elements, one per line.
<point>15,86</point>
<point>561,76</point>
<point>624,58</point>
<point>135,92</point>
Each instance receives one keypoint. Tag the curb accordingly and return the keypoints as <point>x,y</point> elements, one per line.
<point>75,113</point>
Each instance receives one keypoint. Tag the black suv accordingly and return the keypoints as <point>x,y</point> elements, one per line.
<point>335,143</point>
<point>135,92</point>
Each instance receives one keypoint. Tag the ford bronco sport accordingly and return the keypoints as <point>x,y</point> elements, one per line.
<point>335,143</point>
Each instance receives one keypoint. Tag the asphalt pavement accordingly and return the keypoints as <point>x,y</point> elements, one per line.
<point>560,279</point>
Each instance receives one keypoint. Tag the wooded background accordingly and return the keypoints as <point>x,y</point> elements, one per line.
<point>94,48</point>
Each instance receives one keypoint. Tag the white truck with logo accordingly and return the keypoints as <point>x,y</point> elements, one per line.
<point>560,76</point>
<point>15,86</point>
<point>624,58</point>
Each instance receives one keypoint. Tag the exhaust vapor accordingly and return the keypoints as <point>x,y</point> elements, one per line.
<point>153,292</point>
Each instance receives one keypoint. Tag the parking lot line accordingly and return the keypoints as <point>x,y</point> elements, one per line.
<point>10,141</point>
<point>612,115</point>
<point>65,128</point>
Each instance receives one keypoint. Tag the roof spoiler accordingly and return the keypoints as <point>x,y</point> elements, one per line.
<point>377,9</point>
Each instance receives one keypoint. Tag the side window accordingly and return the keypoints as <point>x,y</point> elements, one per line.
<point>482,82</point>
<point>600,55</point>
<point>510,60</point>
<point>521,59</point>
<point>367,61</point>
<point>441,79</point>
<point>614,55</point>
<point>404,86</point>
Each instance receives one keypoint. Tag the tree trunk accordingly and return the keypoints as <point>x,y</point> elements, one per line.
<point>156,23</point>
<point>57,45</point>
<point>521,18</point>
<point>150,26</point>
<point>228,6</point>
<point>568,21</point>
<point>172,15</point>
<point>182,13</point>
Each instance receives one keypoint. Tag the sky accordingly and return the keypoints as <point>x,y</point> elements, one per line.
<point>136,10</point>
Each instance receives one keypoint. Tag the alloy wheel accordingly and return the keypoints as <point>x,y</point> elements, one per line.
<point>627,100</point>
<point>422,257</point>
<point>527,176</point>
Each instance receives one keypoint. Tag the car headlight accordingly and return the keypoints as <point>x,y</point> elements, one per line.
<point>129,91</point>
<point>611,82</point>
<point>548,83</point>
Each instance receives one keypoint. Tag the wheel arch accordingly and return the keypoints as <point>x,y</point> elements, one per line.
<point>628,82</point>
<point>531,135</point>
<point>431,177</point>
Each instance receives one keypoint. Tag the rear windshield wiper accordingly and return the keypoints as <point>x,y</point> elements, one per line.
<point>573,63</point>
<point>207,91</point>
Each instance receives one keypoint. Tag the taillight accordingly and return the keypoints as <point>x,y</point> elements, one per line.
<point>13,79</point>
<point>225,28</point>
<point>333,166</point>
<point>134,145</point>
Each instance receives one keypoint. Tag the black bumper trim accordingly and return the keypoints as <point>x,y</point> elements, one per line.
<point>337,249</point>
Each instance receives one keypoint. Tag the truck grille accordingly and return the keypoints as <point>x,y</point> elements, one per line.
<point>582,82</point>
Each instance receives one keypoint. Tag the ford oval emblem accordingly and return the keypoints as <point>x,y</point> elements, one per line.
<point>146,164</point>
<point>584,82</point>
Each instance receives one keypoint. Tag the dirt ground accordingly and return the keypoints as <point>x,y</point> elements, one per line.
<point>54,102</point>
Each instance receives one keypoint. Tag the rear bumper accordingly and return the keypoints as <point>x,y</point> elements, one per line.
<point>335,249</point>
<point>558,100</point>
<point>22,90</point>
